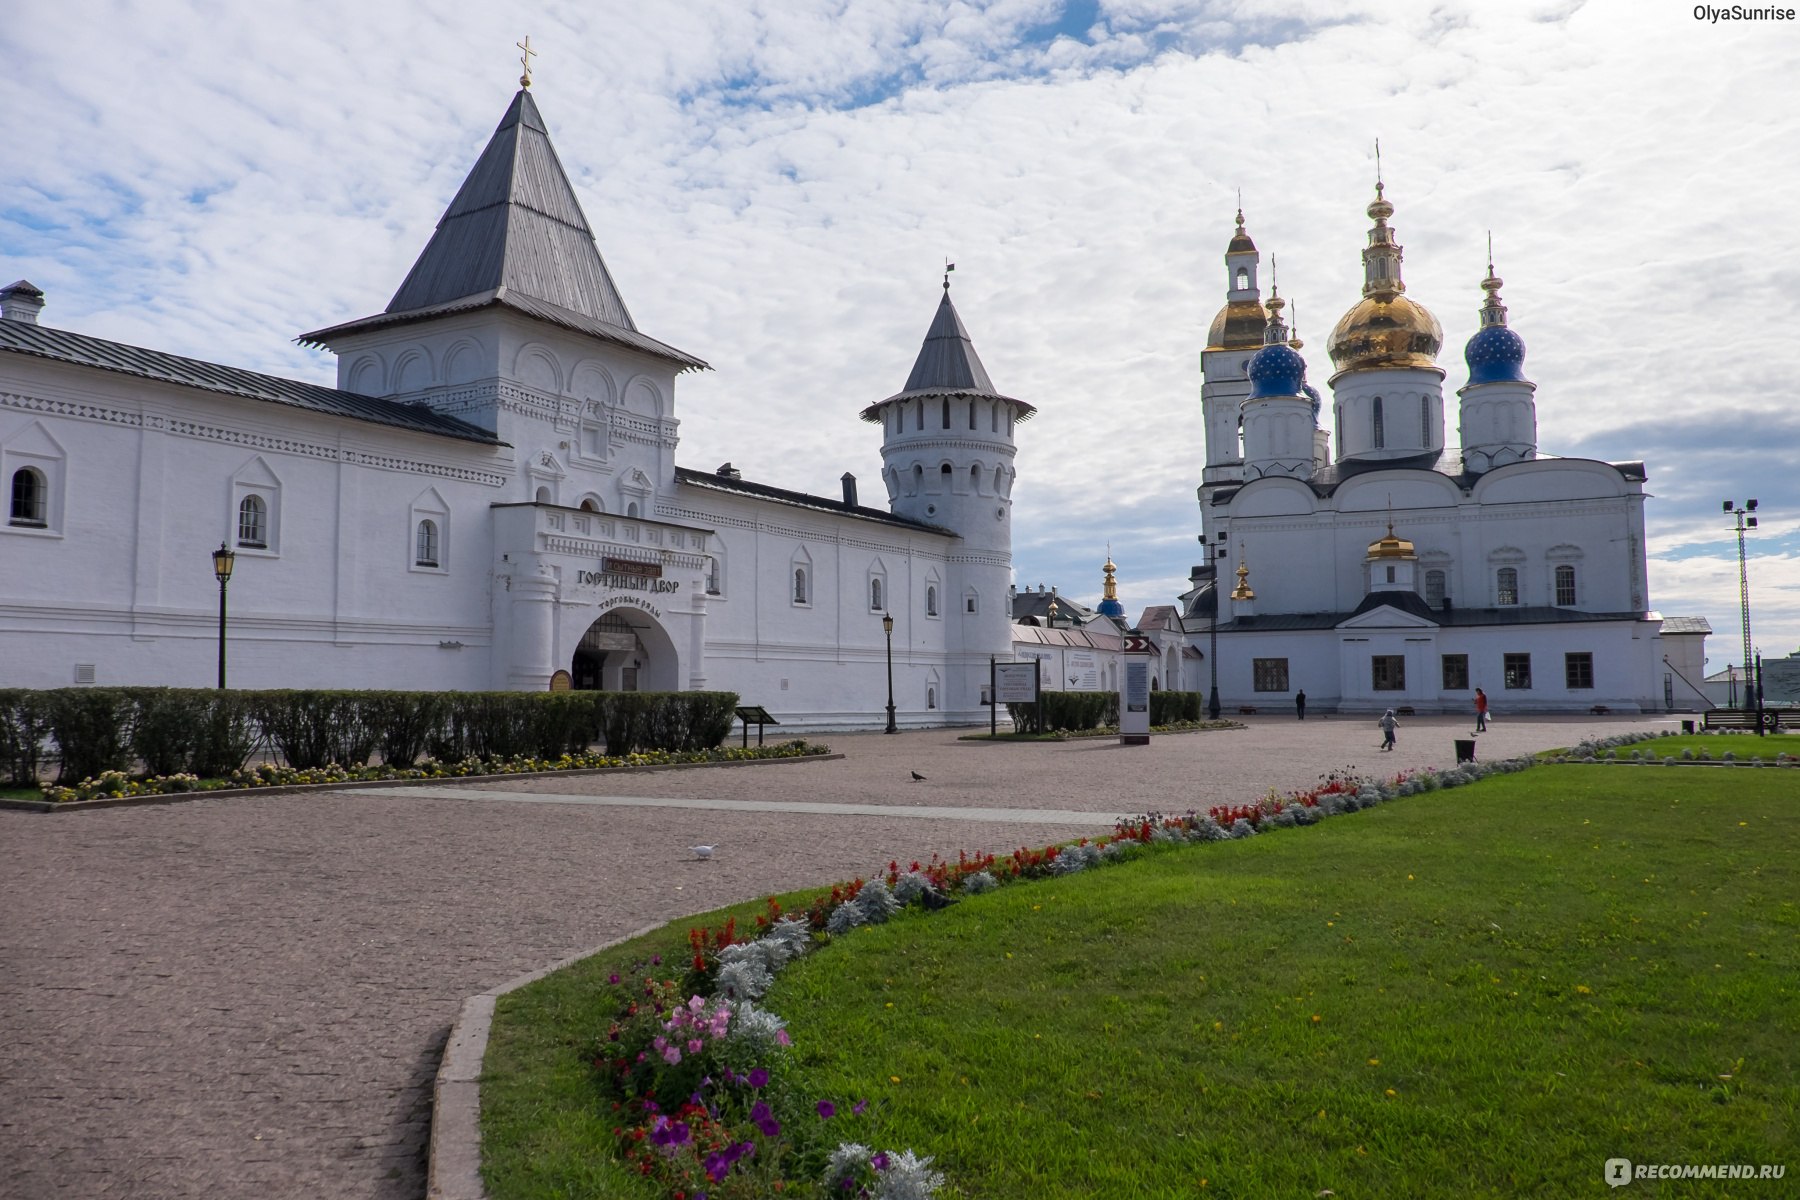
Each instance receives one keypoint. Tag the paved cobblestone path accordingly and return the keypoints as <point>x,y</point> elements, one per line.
<point>247,997</point>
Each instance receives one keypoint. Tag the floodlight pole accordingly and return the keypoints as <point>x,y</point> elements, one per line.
<point>1752,697</point>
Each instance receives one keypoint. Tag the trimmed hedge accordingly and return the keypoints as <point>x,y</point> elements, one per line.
<point>1077,712</point>
<point>24,731</point>
<point>212,733</point>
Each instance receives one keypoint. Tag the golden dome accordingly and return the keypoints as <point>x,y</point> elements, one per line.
<point>1239,326</point>
<point>1385,331</point>
<point>1391,546</point>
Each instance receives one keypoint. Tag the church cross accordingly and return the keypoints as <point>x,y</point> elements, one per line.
<point>525,60</point>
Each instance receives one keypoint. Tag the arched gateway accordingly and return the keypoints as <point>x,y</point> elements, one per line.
<point>625,650</point>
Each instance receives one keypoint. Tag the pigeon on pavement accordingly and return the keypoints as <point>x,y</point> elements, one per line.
<point>702,852</point>
<point>918,776</point>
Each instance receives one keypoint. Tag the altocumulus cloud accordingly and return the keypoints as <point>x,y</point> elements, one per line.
<point>776,187</point>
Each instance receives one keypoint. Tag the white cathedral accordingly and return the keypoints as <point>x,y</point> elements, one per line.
<point>489,499</point>
<point>1399,572</point>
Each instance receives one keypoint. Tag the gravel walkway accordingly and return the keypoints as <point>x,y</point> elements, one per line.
<point>248,997</point>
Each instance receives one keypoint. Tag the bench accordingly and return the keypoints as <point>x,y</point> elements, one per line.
<point>1405,710</point>
<point>1247,709</point>
<point>1737,718</point>
<point>1599,710</point>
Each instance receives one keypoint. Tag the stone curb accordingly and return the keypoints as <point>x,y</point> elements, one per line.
<point>453,1171</point>
<point>355,784</point>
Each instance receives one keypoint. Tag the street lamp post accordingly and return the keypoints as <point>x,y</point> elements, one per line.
<point>223,559</point>
<point>1745,521</point>
<point>887,627</point>
<point>1212,653</point>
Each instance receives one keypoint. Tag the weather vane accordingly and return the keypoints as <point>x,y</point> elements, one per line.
<point>525,60</point>
<point>948,267</point>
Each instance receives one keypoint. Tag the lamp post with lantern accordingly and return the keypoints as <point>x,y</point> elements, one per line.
<point>223,559</point>
<point>887,627</point>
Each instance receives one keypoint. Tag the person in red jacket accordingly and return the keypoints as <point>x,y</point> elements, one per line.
<point>1480,711</point>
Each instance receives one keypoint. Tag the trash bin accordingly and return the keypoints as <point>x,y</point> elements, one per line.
<point>1687,727</point>
<point>1465,750</point>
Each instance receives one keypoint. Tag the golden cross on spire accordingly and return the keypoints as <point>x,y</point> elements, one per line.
<point>1378,166</point>
<point>1490,234</point>
<point>525,60</point>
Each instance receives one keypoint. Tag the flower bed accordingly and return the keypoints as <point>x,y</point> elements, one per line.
<point>699,1075</point>
<point>117,784</point>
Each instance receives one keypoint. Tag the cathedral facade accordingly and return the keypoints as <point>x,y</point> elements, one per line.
<point>1353,553</point>
<point>489,498</point>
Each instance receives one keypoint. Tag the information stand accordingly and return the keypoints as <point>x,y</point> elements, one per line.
<point>1134,701</point>
<point>753,715</point>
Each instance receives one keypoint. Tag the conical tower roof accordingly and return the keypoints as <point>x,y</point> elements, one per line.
<point>515,235</point>
<point>948,365</point>
<point>515,224</point>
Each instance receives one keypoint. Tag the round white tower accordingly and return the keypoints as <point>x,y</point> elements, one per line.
<point>1499,411</point>
<point>1278,414</point>
<point>1388,392</point>
<point>947,454</point>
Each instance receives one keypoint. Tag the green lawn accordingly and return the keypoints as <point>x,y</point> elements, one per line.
<point>1480,992</point>
<point>1744,746</point>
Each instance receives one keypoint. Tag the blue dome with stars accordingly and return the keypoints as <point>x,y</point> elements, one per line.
<point>1276,370</point>
<point>1495,354</point>
<point>1110,608</point>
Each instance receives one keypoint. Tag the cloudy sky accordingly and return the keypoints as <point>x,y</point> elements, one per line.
<point>776,184</point>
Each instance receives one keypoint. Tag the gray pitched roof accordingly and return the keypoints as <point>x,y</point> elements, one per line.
<point>762,491</point>
<point>515,235</point>
<point>1686,625</point>
<point>78,349</point>
<point>1457,617</point>
<point>947,366</point>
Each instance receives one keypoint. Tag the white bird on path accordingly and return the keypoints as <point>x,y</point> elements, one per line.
<point>702,852</point>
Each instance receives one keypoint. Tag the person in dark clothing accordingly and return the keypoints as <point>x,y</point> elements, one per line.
<point>1300,705</point>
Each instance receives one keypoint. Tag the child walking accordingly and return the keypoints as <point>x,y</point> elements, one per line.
<point>1388,724</point>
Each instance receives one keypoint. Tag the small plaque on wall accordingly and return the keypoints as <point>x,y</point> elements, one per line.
<point>561,682</point>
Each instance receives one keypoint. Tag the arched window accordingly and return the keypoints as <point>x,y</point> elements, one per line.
<point>931,609</point>
<point>800,592</point>
<point>253,523</point>
<point>1243,279</point>
<point>631,510</point>
<point>1506,585</point>
<point>946,413</point>
<point>1434,588</point>
<point>30,498</point>
<point>994,416</point>
<point>1379,439</point>
<point>590,505</point>
<point>975,477</point>
<point>425,552</point>
<point>875,595</point>
<point>1424,420</point>
<point>542,496</point>
<point>944,474</point>
<point>918,479</point>
<point>1565,585</point>
<point>930,697</point>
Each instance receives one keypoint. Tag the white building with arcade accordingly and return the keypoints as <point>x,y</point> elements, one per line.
<point>490,498</point>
